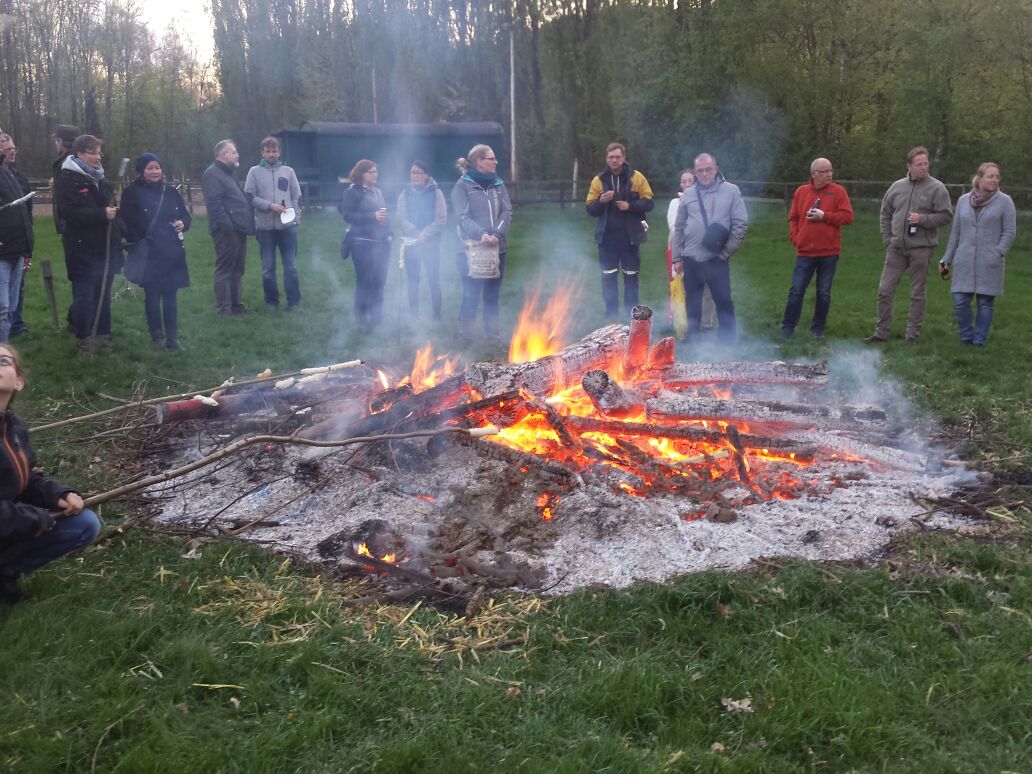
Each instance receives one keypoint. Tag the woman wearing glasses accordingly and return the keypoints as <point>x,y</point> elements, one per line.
<point>422,214</point>
<point>368,240</point>
<point>40,519</point>
<point>484,213</point>
<point>87,205</point>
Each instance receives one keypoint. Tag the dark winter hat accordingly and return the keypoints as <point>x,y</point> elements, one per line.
<point>144,160</point>
<point>66,133</point>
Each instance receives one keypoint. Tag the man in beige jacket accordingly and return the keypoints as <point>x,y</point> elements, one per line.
<point>911,213</point>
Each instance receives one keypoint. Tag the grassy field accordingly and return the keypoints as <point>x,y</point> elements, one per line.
<point>134,658</point>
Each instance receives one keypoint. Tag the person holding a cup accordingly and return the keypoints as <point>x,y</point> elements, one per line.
<point>276,197</point>
<point>368,240</point>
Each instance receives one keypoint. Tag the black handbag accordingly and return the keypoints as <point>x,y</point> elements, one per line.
<point>137,253</point>
<point>716,235</point>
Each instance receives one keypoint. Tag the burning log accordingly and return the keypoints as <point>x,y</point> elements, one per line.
<point>768,412</point>
<point>663,354</point>
<point>797,450</point>
<point>609,397</point>
<point>552,417</point>
<point>639,340</point>
<point>704,374</point>
<point>554,373</point>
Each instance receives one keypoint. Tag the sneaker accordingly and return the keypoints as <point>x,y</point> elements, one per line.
<point>173,345</point>
<point>874,338</point>
<point>819,335</point>
<point>236,311</point>
<point>157,341</point>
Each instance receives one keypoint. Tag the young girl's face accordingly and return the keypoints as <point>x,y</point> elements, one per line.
<point>10,378</point>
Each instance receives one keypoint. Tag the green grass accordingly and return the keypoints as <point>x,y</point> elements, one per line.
<point>922,664</point>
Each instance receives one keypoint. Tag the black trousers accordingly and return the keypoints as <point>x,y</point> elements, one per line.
<point>371,262</point>
<point>88,292</point>
<point>618,256</point>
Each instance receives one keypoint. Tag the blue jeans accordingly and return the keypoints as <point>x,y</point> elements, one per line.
<point>68,534</point>
<point>717,274</point>
<point>286,240</point>
<point>17,323</point>
<point>983,316</point>
<point>805,268</point>
<point>475,289</point>
<point>10,290</point>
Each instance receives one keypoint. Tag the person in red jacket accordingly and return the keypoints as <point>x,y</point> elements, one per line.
<point>820,209</point>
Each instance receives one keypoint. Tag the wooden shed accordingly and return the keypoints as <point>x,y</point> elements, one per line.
<point>323,152</point>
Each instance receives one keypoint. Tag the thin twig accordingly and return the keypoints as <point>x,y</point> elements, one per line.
<point>243,443</point>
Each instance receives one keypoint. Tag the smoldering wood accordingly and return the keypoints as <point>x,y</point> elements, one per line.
<point>519,460</point>
<point>663,354</point>
<point>776,372</point>
<point>802,452</point>
<point>881,454</point>
<point>638,341</point>
<point>766,412</point>
<point>608,397</point>
<point>552,417</point>
<point>553,373</point>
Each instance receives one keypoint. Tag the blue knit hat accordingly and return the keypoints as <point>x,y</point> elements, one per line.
<point>144,160</point>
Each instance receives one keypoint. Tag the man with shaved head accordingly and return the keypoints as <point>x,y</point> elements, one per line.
<point>820,208</point>
<point>710,226</point>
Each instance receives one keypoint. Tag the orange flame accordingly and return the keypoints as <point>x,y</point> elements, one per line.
<point>542,332</point>
<point>363,550</point>
<point>429,370</point>
<point>546,504</point>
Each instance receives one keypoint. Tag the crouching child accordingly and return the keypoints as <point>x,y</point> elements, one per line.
<point>40,519</point>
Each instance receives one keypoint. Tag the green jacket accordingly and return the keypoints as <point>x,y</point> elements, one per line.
<point>929,198</point>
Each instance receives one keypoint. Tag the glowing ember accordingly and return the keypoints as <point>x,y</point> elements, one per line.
<point>546,505</point>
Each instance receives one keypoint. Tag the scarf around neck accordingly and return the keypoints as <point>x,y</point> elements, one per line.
<point>264,163</point>
<point>97,172</point>
<point>483,179</point>
<point>980,198</point>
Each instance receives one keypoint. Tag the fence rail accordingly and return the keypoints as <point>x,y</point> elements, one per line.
<point>567,193</point>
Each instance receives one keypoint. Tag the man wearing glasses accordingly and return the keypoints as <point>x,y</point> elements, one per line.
<point>820,208</point>
<point>618,198</point>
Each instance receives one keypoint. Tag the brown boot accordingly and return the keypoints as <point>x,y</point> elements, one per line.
<point>105,345</point>
<point>84,347</point>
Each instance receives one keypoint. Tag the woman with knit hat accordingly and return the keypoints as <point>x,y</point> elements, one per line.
<point>154,211</point>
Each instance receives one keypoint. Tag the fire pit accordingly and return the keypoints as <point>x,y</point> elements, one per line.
<point>612,463</point>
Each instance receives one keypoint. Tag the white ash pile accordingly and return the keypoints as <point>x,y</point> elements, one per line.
<point>613,463</point>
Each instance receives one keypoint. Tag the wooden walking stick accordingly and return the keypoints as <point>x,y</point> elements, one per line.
<point>47,272</point>
<point>107,250</point>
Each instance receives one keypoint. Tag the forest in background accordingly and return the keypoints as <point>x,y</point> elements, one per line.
<point>764,84</point>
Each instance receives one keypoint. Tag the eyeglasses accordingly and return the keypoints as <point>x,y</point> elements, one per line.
<point>6,361</point>
<point>824,171</point>
<point>490,158</point>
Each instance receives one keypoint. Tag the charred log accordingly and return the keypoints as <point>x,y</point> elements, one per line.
<point>663,353</point>
<point>639,340</point>
<point>767,412</point>
<point>609,397</point>
<point>698,374</point>
<point>601,349</point>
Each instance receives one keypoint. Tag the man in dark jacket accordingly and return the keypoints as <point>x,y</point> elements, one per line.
<point>230,222</point>
<point>619,197</point>
<point>92,252</point>
<point>16,236</point>
<point>9,152</point>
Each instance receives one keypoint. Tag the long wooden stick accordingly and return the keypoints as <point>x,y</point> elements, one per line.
<point>153,401</point>
<point>251,440</point>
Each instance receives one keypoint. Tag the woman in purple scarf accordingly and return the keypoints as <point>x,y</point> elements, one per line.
<point>983,230</point>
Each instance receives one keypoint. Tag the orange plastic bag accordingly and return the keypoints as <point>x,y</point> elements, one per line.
<point>677,306</point>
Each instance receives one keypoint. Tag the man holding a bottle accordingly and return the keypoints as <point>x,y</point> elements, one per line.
<point>820,209</point>
<point>912,212</point>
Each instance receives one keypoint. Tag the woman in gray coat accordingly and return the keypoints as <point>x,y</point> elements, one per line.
<point>983,230</point>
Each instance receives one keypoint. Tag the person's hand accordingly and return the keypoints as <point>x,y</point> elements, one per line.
<point>623,206</point>
<point>178,225</point>
<point>815,214</point>
<point>28,263</point>
<point>914,219</point>
<point>277,208</point>
<point>489,239</point>
<point>677,267</point>
<point>381,215</point>
<point>70,504</point>
<point>724,256</point>
<point>110,212</point>
<point>607,196</point>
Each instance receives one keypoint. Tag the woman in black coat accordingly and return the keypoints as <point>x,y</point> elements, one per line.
<point>91,241</point>
<point>368,240</point>
<point>153,210</point>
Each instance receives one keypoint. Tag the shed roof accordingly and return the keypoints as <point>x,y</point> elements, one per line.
<point>399,130</point>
